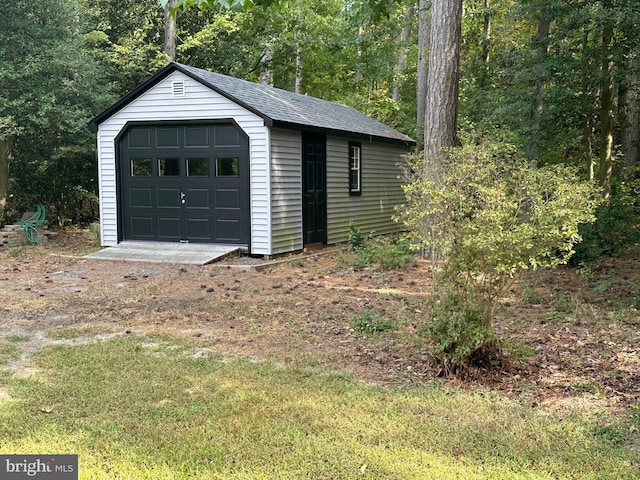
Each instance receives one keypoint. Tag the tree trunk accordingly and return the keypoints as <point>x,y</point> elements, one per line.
<point>6,154</point>
<point>587,145</point>
<point>424,25</point>
<point>606,108</point>
<point>401,62</point>
<point>266,73</point>
<point>631,139</point>
<point>542,40</point>
<point>298,85</point>
<point>169,32</point>
<point>486,40</point>
<point>358,72</point>
<point>442,83</point>
<point>587,122</point>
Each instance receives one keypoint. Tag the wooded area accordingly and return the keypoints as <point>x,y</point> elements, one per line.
<point>526,116</point>
<point>559,79</point>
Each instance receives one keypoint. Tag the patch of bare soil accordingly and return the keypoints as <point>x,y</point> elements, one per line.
<point>572,333</point>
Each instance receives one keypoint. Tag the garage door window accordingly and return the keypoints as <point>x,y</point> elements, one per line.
<point>169,167</point>
<point>140,167</point>
<point>197,167</point>
<point>226,167</point>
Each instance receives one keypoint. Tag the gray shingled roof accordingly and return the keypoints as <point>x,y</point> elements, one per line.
<point>277,107</point>
<point>286,108</point>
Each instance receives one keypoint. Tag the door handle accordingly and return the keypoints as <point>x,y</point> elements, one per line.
<point>183,197</point>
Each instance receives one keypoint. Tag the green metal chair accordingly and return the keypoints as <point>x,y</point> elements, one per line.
<point>30,222</point>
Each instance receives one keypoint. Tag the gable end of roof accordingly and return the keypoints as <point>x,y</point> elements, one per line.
<point>154,80</point>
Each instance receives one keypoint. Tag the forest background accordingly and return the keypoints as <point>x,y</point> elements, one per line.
<point>559,79</point>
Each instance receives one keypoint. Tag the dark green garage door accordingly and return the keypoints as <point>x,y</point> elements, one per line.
<point>185,182</point>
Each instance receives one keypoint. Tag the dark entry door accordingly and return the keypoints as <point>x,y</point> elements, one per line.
<point>314,188</point>
<point>186,182</point>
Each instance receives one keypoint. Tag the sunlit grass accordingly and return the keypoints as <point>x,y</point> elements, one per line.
<point>8,351</point>
<point>148,408</point>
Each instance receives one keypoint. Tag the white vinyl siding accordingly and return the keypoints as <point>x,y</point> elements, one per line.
<point>381,187</point>
<point>286,191</point>
<point>198,103</point>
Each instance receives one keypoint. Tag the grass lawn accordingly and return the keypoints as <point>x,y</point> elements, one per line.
<point>157,407</point>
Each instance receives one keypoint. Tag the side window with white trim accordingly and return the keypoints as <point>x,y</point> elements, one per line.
<point>355,169</point>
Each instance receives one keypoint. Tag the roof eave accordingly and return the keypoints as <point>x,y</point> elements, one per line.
<point>407,141</point>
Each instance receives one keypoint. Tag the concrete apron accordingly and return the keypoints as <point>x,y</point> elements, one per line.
<point>165,252</point>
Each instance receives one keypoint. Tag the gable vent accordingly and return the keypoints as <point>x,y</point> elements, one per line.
<point>177,88</point>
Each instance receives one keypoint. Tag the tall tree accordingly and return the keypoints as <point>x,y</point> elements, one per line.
<point>401,62</point>
<point>266,72</point>
<point>542,42</point>
<point>50,87</point>
<point>6,155</point>
<point>631,138</point>
<point>127,40</point>
<point>442,83</point>
<point>486,43</point>
<point>587,117</point>
<point>606,102</point>
<point>169,32</point>
<point>424,32</point>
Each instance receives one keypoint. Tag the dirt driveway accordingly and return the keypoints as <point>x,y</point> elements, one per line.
<point>574,340</point>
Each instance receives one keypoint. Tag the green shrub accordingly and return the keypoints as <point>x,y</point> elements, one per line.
<point>486,215</point>
<point>368,255</point>
<point>355,239</point>
<point>460,333</point>
<point>385,252</point>
<point>617,224</point>
<point>372,322</point>
<point>395,252</point>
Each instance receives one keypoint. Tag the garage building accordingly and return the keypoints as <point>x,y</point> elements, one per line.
<point>195,156</point>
